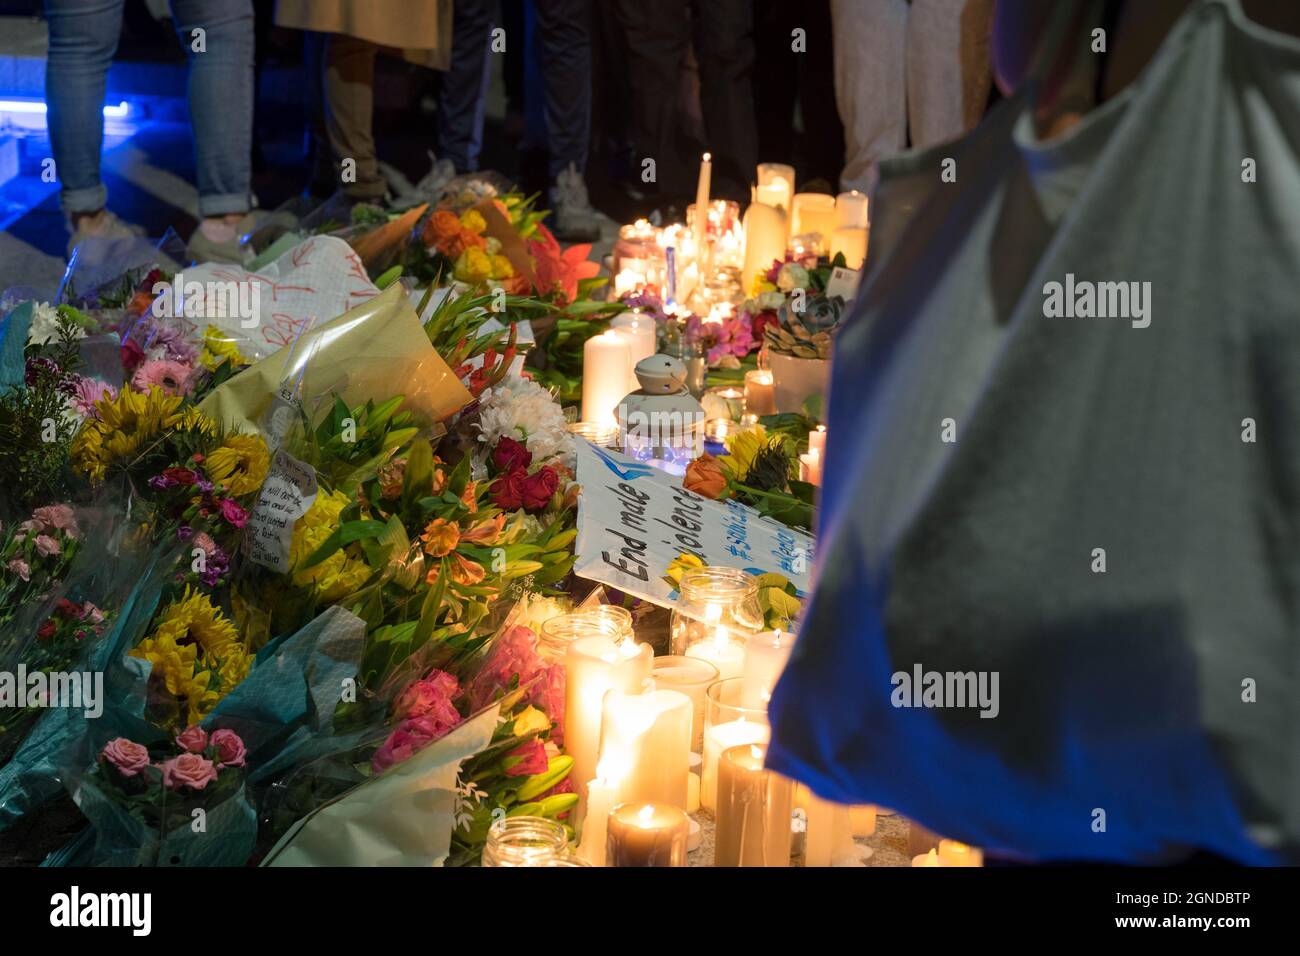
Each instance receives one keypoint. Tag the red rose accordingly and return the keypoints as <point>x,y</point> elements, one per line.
<point>510,454</point>
<point>760,321</point>
<point>508,490</point>
<point>46,630</point>
<point>538,488</point>
<point>68,609</point>
<point>182,476</point>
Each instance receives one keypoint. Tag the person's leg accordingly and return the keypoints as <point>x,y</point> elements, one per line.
<point>218,39</point>
<point>870,84</point>
<point>349,114</point>
<point>83,39</point>
<point>725,49</point>
<point>464,86</point>
<point>948,68</point>
<point>658,36</point>
<point>564,35</point>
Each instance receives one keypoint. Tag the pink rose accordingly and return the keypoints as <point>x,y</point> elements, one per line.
<point>21,568</point>
<point>410,737</point>
<point>57,516</point>
<point>547,695</point>
<point>92,614</point>
<point>532,759</point>
<point>513,653</point>
<point>431,695</point>
<point>127,756</point>
<point>232,512</point>
<point>193,739</point>
<point>230,748</point>
<point>47,546</point>
<point>188,770</point>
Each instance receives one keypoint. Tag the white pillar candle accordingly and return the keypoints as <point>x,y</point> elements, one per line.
<point>689,676</point>
<point>851,241</point>
<point>760,392</point>
<point>810,467</point>
<point>645,742</point>
<point>813,212</point>
<point>927,859</point>
<point>830,832</point>
<point>592,666</point>
<point>777,182</point>
<point>862,818</point>
<point>754,807</point>
<point>650,834</point>
<point>702,205</point>
<point>766,654</point>
<point>851,209</point>
<point>817,441</point>
<point>692,792</point>
<point>765,235</point>
<point>602,797</point>
<point>606,364</point>
<point>952,853</point>
<point>722,737</point>
<point>642,338</point>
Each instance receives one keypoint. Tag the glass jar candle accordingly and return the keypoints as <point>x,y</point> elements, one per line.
<point>715,615</point>
<point>603,620</point>
<point>727,723</point>
<point>647,834</point>
<point>525,841</point>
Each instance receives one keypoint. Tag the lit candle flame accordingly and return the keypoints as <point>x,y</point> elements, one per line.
<point>645,816</point>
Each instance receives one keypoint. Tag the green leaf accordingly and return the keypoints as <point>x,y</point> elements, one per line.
<point>343,536</point>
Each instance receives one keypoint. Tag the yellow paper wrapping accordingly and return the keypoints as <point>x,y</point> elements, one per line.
<point>375,351</point>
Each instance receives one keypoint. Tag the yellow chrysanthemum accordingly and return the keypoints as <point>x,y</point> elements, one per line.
<point>124,426</point>
<point>198,653</point>
<point>473,221</point>
<point>338,575</point>
<point>501,268</point>
<point>473,266</point>
<point>240,463</point>
<point>219,347</point>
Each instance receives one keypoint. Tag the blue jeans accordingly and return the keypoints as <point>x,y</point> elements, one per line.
<point>83,39</point>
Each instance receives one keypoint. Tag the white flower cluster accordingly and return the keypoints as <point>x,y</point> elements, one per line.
<point>521,409</point>
<point>45,325</point>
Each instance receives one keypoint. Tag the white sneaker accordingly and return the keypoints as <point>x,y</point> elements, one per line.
<point>575,219</point>
<point>102,225</point>
<point>428,189</point>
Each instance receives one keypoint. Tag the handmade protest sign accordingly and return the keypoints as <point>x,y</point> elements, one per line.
<point>634,520</point>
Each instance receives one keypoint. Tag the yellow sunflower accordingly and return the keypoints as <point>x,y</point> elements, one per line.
<point>218,348</point>
<point>193,420</point>
<point>197,652</point>
<point>124,426</point>
<point>338,575</point>
<point>742,448</point>
<point>240,463</point>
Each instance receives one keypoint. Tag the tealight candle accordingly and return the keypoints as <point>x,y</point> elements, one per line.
<point>647,834</point>
<point>753,811</point>
<point>952,853</point>
<point>760,393</point>
<point>606,370</point>
<point>927,859</point>
<point>592,666</point>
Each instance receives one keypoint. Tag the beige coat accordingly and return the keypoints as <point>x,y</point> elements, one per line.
<point>420,29</point>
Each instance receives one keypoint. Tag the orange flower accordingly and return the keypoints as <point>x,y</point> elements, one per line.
<point>468,498</point>
<point>440,537</point>
<point>463,570</point>
<point>463,240</point>
<point>704,477</point>
<point>486,531</point>
<point>441,228</point>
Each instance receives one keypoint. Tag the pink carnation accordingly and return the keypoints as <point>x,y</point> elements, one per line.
<point>46,546</point>
<point>232,512</point>
<point>230,748</point>
<point>57,516</point>
<point>127,756</point>
<point>21,568</point>
<point>188,770</point>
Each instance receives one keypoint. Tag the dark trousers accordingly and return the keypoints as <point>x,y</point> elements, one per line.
<point>659,35</point>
